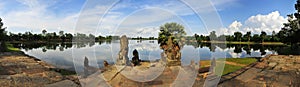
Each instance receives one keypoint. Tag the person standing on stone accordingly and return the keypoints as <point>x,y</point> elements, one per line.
<point>135,59</point>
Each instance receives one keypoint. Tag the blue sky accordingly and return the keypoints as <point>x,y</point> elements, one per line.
<point>143,17</point>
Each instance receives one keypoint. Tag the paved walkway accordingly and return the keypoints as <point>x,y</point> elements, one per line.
<point>21,70</point>
<point>272,71</point>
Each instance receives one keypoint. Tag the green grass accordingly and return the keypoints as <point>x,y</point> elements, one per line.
<point>230,68</point>
<point>235,42</point>
<point>227,67</point>
<point>245,61</point>
<point>10,48</point>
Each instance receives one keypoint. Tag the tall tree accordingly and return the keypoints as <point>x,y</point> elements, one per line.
<point>172,29</point>
<point>213,35</point>
<point>248,36</point>
<point>61,33</point>
<point>263,35</point>
<point>44,32</point>
<point>289,34</point>
<point>2,37</point>
<point>256,38</point>
<point>274,37</point>
<point>238,36</point>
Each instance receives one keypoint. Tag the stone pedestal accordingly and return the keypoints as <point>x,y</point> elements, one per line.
<point>173,62</point>
<point>173,54</point>
<point>123,53</point>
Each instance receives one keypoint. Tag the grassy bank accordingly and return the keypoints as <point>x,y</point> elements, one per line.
<point>231,64</point>
<point>11,48</point>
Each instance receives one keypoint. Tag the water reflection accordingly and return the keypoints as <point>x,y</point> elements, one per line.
<point>60,54</point>
<point>238,48</point>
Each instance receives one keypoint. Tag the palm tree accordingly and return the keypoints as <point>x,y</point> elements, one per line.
<point>171,29</point>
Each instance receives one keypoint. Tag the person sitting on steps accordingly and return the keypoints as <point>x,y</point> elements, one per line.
<point>135,59</point>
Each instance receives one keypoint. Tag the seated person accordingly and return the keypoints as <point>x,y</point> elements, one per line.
<point>135,59</point>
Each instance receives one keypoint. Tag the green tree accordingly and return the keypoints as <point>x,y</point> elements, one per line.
<point>238,36</point>
<point>69,36</point>
<point>213,35</point>
<point>263,35</point>
<point>248,36</point>
<point>273,37</point>
<point>2,37</point>
<point>289,34</point>
<point>62,36</point>
<point>198,38</point>
<point>44,32</point>
<point>256,38</point>
<point>174,30</point>
<point>229,37</point>
<point>61,33</point>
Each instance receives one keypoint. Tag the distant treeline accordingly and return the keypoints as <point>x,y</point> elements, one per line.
<point>238,37</point>
<point>68,37</point>
<point>62,37</point>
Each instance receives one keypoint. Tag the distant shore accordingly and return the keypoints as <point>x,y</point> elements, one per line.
<point>236,42</point>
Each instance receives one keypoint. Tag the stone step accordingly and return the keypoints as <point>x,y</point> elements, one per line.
<point>64,83</point>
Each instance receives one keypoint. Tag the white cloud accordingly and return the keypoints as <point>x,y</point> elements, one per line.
<point>234,26</point>
<point>146,16</point>
<point>1,6</point>
<point>268,23</point>
<point>186,7</point>
<point>35,17</point>
<point>30,3</point>
<point>135,32</point>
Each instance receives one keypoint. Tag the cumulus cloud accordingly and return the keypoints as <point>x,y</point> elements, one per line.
<point>268,23</point>
<point>35,16</point>
<point>235,26</point>
<point>137,32</point>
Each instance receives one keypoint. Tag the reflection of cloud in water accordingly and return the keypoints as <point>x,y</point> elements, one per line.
<point>254,53</point>
<point>189,53</point>
<point>147,51</point>
<point>146,47</point>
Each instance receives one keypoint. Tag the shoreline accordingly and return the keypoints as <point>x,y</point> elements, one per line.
<point>16,67</point>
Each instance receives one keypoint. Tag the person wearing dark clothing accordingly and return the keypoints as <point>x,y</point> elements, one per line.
<point>135,59</point>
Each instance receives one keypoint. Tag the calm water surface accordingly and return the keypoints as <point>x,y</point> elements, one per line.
<point>68,55</point>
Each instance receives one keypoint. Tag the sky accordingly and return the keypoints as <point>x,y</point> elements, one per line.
<point>143,17</point>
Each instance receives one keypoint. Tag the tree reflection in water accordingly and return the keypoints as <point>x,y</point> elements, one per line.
<point>238,48</point>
